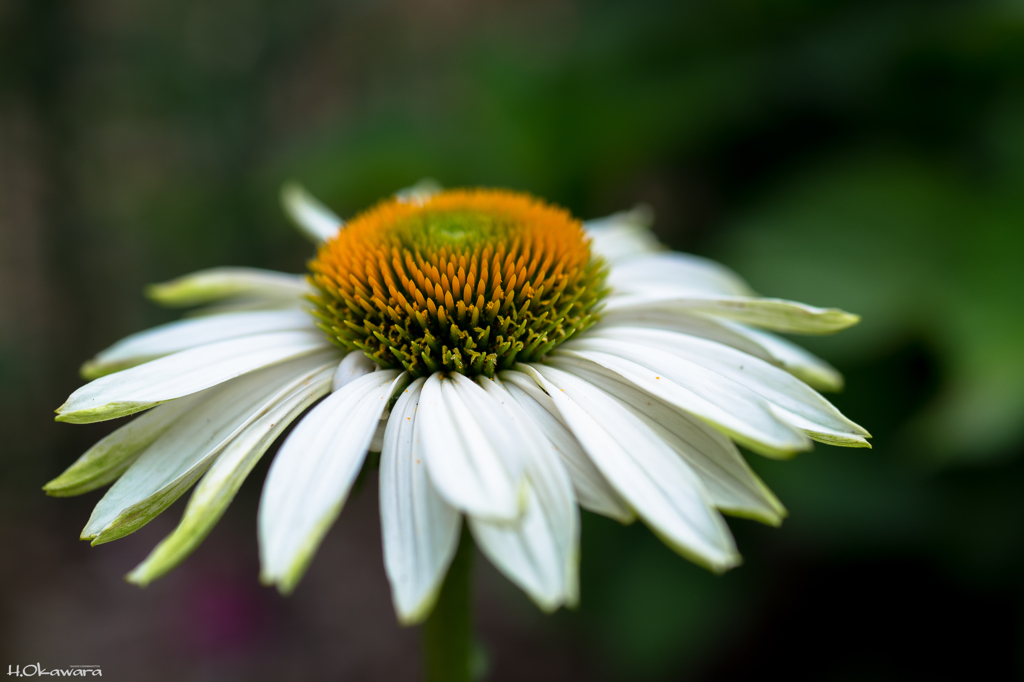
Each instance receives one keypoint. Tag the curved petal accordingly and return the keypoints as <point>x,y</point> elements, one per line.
<point>313,219</point>
<point>183,453</point>
<point>217,284</point>
<point>800,363</point>
<point>472,462</point>
<point>351,367</point>
<point>770,313</point>
<point>183,373</point>
<point>675,273</point>
<point>419,192</point>
<point>104,462</point>
<point>218,487</point>
<point>540,551</point>
<point>677,321</point>
<point>731,485</point>
<point>797,361</point>
<point>657,483</point>
<point>312,474</point>
<point>526,552</point>
<point>735,410</point>
<point>420,530</point>
<point>592,489</point>
<point>623,235</point>
<point>191,333</point>
<point>801,405</point>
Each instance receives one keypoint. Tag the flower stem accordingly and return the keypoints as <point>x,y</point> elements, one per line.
<point>447,634</point>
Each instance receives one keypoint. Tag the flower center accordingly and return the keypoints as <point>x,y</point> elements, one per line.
<point>467,281</point>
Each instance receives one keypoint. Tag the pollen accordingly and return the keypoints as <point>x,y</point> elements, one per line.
<point>467,281</point>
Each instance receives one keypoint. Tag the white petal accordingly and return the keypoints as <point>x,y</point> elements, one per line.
<point>420,530</point>
<point>104,462</point>
<point>313,219</point>
<point>540,551</point>
<point>352,366</point>
<point>217,284</point>
<point>222,481</point>
<point>845,436</point>
<point>640,216</point>
<point>797,361</point>
<point>732,408</point>
<point>623,235</point>
<point>801,405</point>
<point>472,463</point>
<point>175,460</point>
<point>770,313</point>
<point>675,273</point>
<point>656,482</point>
<point>312,474</point>
<point>731,484</point>
<point>525,551</point>
<point>592,489</point>
<point>248,304</point>
<point>705,327</point>
<point>190,333</point>
<point>800,363</point>
<point>183,373</point>
<point>420,192</point>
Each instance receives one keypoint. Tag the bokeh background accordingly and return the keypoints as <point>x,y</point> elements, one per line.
<point>866,154</point>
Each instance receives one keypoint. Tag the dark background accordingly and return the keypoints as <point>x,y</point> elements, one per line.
<point>866,155</point>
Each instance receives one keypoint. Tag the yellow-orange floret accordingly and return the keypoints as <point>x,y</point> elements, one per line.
<point>468,281</point>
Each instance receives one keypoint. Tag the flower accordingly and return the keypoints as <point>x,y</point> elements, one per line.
<point>509,363</point>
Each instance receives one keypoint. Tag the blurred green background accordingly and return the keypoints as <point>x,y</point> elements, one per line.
<point>861,154</point>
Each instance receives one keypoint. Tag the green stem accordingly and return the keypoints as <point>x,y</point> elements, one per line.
<point>447,634</point>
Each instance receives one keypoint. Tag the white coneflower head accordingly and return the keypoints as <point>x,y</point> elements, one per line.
<point>509,363</point>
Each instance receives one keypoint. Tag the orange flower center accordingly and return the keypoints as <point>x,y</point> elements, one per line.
<point>468,281</point>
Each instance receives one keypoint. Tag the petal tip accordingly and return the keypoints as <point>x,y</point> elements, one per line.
<point>838,320</point>
<point>139,576</point>
<point>163,293</point>
<point>418,613</point>
<point>54,488</point>
<point>102,538</point>
<point>286,586</point>
<point>311,216</point>
<point>102,413</point>
<point>91,369</point>
<point>731,562</point>
<point>281,583</point>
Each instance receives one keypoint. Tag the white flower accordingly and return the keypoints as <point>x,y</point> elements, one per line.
<point>607,374</point>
